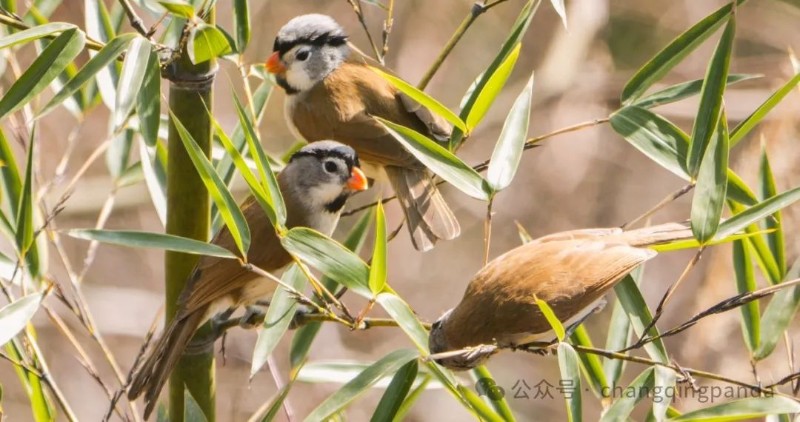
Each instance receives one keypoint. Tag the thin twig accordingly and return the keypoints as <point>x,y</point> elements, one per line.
<point>664,202</point>
<point>356,5</point>
<point>387,28</point>
<point>487,232</point>
<point>136,22</point>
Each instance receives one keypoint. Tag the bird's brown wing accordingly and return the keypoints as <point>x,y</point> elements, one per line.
<point>569,275</point>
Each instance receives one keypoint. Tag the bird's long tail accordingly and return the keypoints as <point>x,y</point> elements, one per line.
<point>656,235</point>
<point>155,371</point>
<point>427,214</point>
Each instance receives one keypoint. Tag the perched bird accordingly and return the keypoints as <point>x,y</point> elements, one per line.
<point>333,94</point>
<point>315,185</point>
<point>571,271</point>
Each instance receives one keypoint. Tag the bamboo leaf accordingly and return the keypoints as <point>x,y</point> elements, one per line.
<point>674,53</point>
<point>106,55</point>
<point>508,150</point>
<point>745,126</point>
<point>241,24</point>
<point>712,183</point>
<point>663,384</point>
<point>9,176</point>
<point>191,409</point>
<point>24,224</point>
<point>777,247</point>
<point>47,66</point>
<point>148,101</point>
<point>683,90</point>
<point>329,257</point>
<point>399,310</point>
<point>439,160</point>
<point>138,239</point>
<point>779,314</point>
<point>743,409</point>
<point>34,33</point>
<point>709,111</point>
<point>377,269</point>
<point>592,366</point>
<point>551,317</point>
<point>619,333</point>
<point>178,8</point>
<point>558,5</point>
<point>746,282</point>
<point>230,212</point>
<point>757,212</point>
<point>358,385</point>
<point>623,406</point>
<point>118,153</point>
<point>280,313</point>
<point>412,398</point>
<point>640,317</point>
<point>422,98</point>
<point>207,42</point>
<point>654,136</point>
<point>739,191</point>
<point>490,91</point>
<point>130,80</point>
<point>497,401</point>
<point>15,316</point>
<point>569,364</point>
<point>154,171</point>
<point>396,393</point>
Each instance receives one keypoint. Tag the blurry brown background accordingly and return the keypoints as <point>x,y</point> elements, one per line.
<point>583,179</point>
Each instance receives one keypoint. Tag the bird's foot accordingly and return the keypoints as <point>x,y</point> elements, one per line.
<point>541,348</point>
<point>253,318</point>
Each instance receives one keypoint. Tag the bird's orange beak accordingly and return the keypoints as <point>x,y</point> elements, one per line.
<point>358,180</point>
<point>274,64</point>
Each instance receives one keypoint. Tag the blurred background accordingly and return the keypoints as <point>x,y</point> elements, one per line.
<point>588,178</point>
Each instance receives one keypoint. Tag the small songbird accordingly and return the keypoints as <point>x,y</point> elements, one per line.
<point>333,94</point>
<point>315,185</point>
<point>571,271</point>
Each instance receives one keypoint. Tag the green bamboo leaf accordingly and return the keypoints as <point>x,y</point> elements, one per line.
<point>358,385</point>
<point>746,282</point>
<point>778,316</point>
<point>619,333</point>
<point>654,136</point>
<point>281,311</point>
<point>745,126</point>
<point>623,406</point>
<point>709,111</point>
<point>712,184</point>
<point>673,54</point>
<point>130,80</point>
<point>757,212</point>
<point>591,364</point>
<point>558,5</point>
<point>412,398</point>
<point>154,171</point>
<point>377,269</point>
<point>191,409</point>
<point>148,101</point>
<point>509,147</point>
<point>739,191</point>
<point>439,160</point>
<point>47,66</point>
<point>108,54</point>
<point>683,90</point>
<point>99,26</point>
<point>749,408</point>
<point>640,317</point>
<point>118,153</point>
<point>9,176</point>
<point>41,407</point>
<point>479,407</point>
<point>138,239</point>
<point>98,21</point>
<point>490,91</point>
<point>769,189</point>
<point>396,393</point>
<point>755,236</point>
<point>230,212</point>
<point>241,24</point>
<point>422,98</point>
<point>569,364</point>
<point>207,42</point>
<point>497,401</point>
<point>551,317</point>
<point>34,33</point>
<point>178,8</point>
<point>518,30</point>
<point>15,316</point>
<point>24,224</point>
<point>681,245</point>
<point>329,257</point>
<point>663,383</point>
<point>268,180</point>
<point>399,310</point>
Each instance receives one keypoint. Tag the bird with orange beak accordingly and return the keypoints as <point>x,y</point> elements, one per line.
<point>333,94</point>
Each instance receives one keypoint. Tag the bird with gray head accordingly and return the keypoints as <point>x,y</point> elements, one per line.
<point>571,271</point>
<point>333,94</point>
<point>315,186</point>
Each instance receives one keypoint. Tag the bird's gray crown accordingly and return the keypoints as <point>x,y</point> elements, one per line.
<point>323,149</point>
<point>315,29</point>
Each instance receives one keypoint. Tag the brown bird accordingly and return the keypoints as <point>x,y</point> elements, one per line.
<point>315,185</point>
<point>333,94</point>
<point>571,271</point>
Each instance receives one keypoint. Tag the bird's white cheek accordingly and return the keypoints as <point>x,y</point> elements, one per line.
<point>298,79</point>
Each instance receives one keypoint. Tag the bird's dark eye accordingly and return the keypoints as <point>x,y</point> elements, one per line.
<point>330,166</point>
<point>302,55</point>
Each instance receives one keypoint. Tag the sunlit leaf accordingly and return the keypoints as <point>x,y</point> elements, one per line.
<point>746,282</point>
<point>640,317</point>
<point>396,392</point>
<point>207,42</point>
<point>241,24</point>
<point>377,270</point>
<point>768,189</point>
<point>15,315</point>
<point>178,8</point>
<point>34,33</point>
<point>778,316</point>
<point>663,391</point>
<point>746,125</point>
<point>279,315</point>
<point>654,136</point>
<point>148,101</point>
<point>558,5</point>
<point>406,319</point>
<point>712,184</point>
<point>508,150</point>
<point>139,239</point>
<point>683,90</point>
<point>569,364</point>
<point>24,224</point>
<point>551,317</point>
<point>757,212</point>
<point>490,91</point>
<point>592,366</point>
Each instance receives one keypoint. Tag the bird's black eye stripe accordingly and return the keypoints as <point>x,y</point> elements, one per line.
<point>315,39</point>
<point>326,153</point>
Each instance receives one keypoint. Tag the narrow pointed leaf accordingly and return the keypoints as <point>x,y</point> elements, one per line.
<point>24,224</point>
<point>639,315</point>
<point>778,315</point>
<point>744,409</point>
<point>508,150</point>
<point>569,364</point>
<point>551,317</point>
<point>396,393</point>
<point>241,24</point>
<point>130,80</point>
<point>47,66</point>
<point>406,319</point>
<point>280,313</point>
<point>619,333</point>
<point>439,160</point>
<point>155,179</point>
<point>108,54</point>
<point>9,176</point>
<point>757,212</point>
<point>207,42</point>
<point>623,406</point>
<point>118,153</point>
<point>492,88</point>
<point>769,189</point>
<point>663,387</point>
<point>34,33</point>
<point>499,404</point>
<point>756,238</point>
<point>745,126</point>
<point>684,90</point>
<point>654,136</point>
<point>15,315</point>
<point>178,8</point>
<point>139,239</point>
<point>148,101</point>
<point>329,257</point>
<point>423,99</point>
<point>358,385</point>
<point>739,191</point>
<point>377,269</point>
<point>558,5</point>
<point>708,113</point>
<point>591,364</point>
<point>191,409</point>
<point>229,210</point>
<point>673,54</point>
<point>746,282</point>
<point>712,184</point>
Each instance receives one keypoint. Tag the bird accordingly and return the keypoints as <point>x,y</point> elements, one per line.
<point>315,185</point>
<point>333,94</point>
<point>571,271</point>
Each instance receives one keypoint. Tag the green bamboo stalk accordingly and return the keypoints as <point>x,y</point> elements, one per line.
<point>188,211</point>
